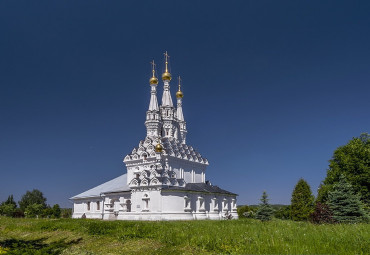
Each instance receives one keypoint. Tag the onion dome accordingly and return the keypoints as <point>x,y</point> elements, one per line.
<point>166,76</point>
<point>158,147</point>
<point>153,80</point>
<point>179,93</point>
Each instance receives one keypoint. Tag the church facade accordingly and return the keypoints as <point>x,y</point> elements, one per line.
<point>166,177</point>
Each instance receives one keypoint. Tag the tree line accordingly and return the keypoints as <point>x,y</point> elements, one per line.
<point>32,205</point>
<point>343,196</point>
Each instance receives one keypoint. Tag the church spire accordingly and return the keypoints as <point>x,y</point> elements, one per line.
<point>153,123</point>
<point>166,77</point>
<point>179,96</point>
<point>180,115</point>
<point>153,81</point>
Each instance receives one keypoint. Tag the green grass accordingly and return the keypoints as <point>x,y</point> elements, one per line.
<point>68,236</point>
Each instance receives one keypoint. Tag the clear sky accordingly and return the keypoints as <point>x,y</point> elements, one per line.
<point>271,88</point>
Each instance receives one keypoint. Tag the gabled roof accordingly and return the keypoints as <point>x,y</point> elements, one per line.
<point>115,185</point>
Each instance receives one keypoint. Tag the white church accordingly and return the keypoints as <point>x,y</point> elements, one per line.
<point>166,177</point>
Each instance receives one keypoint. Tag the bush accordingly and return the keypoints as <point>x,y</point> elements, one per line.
<point>322,214</point>
<point>246,212</point>
<point>283,213</point>
<point>34,211</point>
<point>7,210</point>
<point>56,211</point>
<point>66,213</point>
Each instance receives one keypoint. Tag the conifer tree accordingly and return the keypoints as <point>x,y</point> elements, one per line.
<point>265,211</point>
<point>302,203</point>
<point>345,204</point>
<point>353,161</point>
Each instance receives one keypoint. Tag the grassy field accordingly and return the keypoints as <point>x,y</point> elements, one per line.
<point>68,236</point>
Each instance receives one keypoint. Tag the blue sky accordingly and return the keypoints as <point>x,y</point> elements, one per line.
<point>271,88</point>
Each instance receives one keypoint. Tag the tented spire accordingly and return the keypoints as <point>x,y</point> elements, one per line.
<point>153,81</point>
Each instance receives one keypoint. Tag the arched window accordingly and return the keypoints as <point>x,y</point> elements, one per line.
<point>146,202</point>
<point>128,205</point>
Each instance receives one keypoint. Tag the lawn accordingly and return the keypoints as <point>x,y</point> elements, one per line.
<point>69,236</point>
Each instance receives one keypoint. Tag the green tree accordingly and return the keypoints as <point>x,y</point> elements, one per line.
<point>353,161</point>
<point>7,209</point>
<point>32,197</point>
<point>34,210</point>
<point>265,211</point>
<point>283,213</point>
<point>345,204</point>
<point>302,203</point>
<point>56,211</point>
<point>10,201</point>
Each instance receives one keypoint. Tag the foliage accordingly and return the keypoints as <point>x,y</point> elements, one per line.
<point>283,212</point>
<point>302,201</point>
<point>9,201</point>
<point>66,213</point>
<point>32,197</point>
<point>322,214</point>
<point>56,211</point>
<point>245,211</point>
<point>246,236</point>
<point>353,161</point>
<point>7,209</point>
<point>34,211</point>
<point>265,211</point>
<point>345,204</point>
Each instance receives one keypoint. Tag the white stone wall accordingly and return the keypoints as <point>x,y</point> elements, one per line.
<point>161,205</point>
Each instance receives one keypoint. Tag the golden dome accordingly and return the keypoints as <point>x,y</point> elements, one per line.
<point>158,148</point>
<point>166,76</point>
<point>153,80</point>
<point>179,94</point>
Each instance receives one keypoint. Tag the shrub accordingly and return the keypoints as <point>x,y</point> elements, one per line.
<point>34,210</point>
<point>66,213</point>
<point>7,210</point>
<point>322,214</point>
<point>56,211</point>
<point>283,213</point>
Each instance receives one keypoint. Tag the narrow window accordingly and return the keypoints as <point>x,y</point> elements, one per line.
<point>98,206</point>
<point>88,206</point>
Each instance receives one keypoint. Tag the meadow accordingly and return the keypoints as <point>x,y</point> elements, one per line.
<point>247,236</point>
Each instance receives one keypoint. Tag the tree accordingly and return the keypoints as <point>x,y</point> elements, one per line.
<point>265,211</point>
<point>32,197</point>
<point>353,161</point>
<point>34,210</point>
<point>283,213</point>
<point>9,201</point>
<point>7,209</point>
<point>302,201</point>
<point>345,204</point>
<point>322,214</point>
<point>56,211</point>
